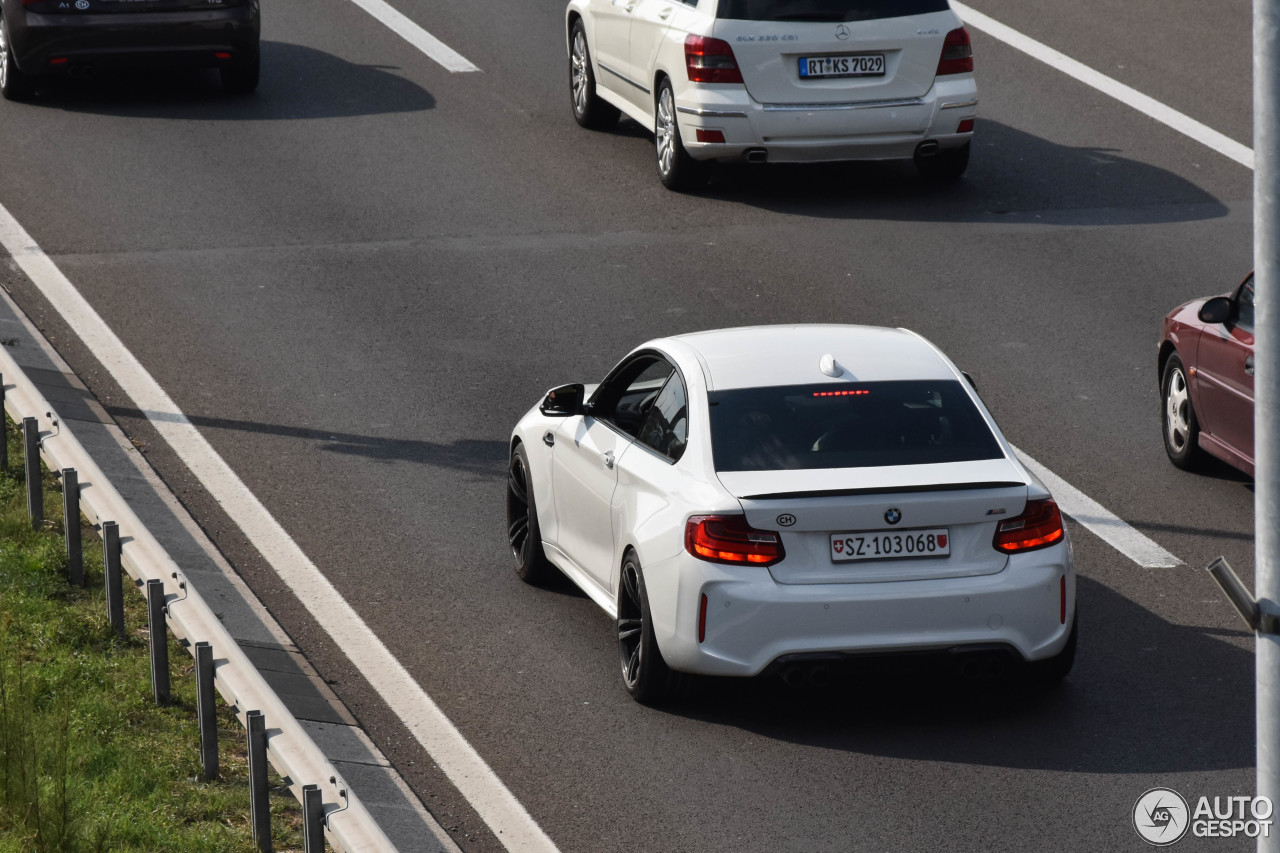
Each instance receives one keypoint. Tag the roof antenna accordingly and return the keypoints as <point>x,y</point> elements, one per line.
<point>829,366</point>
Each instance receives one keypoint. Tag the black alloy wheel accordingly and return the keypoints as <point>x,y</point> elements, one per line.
<point>644,673</point>
<point>523,534</point>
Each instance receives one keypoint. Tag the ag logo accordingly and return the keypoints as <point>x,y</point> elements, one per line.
<point>1160,816</point>
<point>786,520</point>
<point>893,515</point>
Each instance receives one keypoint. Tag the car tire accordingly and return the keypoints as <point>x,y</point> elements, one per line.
<point>242,78</point>
<point>1052,670</point>
<point>644,672</point>
<point>676,169</point>
<point>14,85</point>
<point>589,109</point>
<point>1179,424</point>
<point>946,165</point>
<point>523,534</point>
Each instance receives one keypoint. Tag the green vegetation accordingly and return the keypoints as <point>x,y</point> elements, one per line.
<point>87,761</point>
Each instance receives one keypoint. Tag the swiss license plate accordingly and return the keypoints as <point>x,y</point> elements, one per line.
<point>866,65</point>
<point>889,544</point>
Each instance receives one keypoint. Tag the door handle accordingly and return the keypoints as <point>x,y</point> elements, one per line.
<point>549,438</point>
<point>608,459</point>
<point>1248,365</point>
<point>665,13</point>
<point>630,6</point>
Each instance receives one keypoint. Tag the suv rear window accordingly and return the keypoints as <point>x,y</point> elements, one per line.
<point>825,10</point>
<point>857,425</point>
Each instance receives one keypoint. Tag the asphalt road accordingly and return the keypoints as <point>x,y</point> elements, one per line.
<point>356,281</point>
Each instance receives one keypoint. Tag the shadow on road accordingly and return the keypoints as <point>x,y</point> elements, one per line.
<point>1013,177</point>
<point>473,456</point>
<point>1145,696</point>
<point>297,83</point>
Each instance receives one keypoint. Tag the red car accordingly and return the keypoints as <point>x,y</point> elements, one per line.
<point>1206,380</point>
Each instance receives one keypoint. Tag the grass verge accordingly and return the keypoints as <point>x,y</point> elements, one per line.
<point>87,761</point>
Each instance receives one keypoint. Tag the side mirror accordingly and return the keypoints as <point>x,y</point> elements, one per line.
<point>565,401</point>
<point>969,376</point>
<point>1217,310</point>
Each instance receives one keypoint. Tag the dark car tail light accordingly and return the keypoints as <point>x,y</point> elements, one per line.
<point>729,539</point>
<point>957,53</point>
<point>710,60</point>
<point>1039,526</point>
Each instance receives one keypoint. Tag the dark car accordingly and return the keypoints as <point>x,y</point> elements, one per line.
<point>47,37</point>
<point>1206,380</point>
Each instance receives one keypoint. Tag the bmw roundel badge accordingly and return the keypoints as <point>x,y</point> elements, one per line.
<point>893,515</point>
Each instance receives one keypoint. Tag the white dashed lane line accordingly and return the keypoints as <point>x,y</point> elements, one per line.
<point>1127,95</point>
<point>1100,521</point>
<point>415,35</point>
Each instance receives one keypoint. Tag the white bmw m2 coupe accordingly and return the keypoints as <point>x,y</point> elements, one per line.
<point>777,80</point>
<point>780,497</point>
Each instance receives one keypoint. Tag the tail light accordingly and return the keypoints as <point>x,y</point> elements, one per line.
<point>1039,526</point>
<point>729,539</point>
<point>957,53</point>
<point>710,60</point>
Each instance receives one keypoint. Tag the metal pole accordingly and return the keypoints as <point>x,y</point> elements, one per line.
<point>259,805</point>
<point>4,431</point>
<point>1266,261</point>
<point>111,570</point>
<point>71,526</point>
<point>159,636</point>
<point>312,819</point>
<point>205,710</point>
<point>35,490</point>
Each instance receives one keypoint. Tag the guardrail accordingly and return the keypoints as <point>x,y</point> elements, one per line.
<point>347,824</point>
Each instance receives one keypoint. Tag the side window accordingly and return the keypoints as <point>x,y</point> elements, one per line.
<point>1244,305</point>
<point>626,396</point>
<point>666,428</point>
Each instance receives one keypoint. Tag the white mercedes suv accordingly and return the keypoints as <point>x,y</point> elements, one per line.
<point>777,80</point>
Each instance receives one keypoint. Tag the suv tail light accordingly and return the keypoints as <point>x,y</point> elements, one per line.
<point>1039,526</point>
<point>710,60</point>
<point>957,53</point>
<point>729,539</point>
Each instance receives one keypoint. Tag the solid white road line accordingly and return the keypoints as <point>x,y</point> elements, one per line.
<point>1104,524</point>
<point>508,819</point>
<point>1184,124</point>
<point>417,36</point>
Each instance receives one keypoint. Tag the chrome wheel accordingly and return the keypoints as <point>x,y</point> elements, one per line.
<point>518,510</point>
<point>664,131</point>
<point>4,59</point>
<point>630,624</point>
<point>1177,402</point>
<point>578,73</point>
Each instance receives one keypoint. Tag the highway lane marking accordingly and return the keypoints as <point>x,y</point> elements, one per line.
<point>1103,523</point>
<point>1162,113</point>
<point>497,806</point>
<point>415,35</point>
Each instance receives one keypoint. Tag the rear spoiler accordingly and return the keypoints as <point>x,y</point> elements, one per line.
<point>884,490</point>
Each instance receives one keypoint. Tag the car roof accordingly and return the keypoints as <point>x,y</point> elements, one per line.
<point>761,356</point>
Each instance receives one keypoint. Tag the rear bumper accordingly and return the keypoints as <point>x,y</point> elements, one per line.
<point>138,39</point>
<point>798,133</point>
<point>752,621</point>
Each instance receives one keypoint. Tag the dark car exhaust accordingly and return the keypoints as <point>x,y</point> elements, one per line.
<point>757,155</point>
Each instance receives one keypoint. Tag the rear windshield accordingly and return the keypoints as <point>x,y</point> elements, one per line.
<point>825,10</point>
<point>847,426</point>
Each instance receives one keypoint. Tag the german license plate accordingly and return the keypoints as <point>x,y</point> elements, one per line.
<point>889,545</point>
<point>867,65</point>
